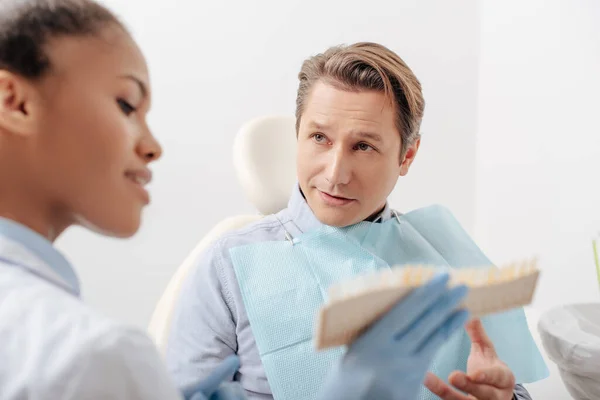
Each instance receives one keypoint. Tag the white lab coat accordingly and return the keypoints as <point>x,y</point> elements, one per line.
<point>52,346</point>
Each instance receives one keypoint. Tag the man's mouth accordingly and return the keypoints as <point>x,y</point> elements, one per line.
<point>334,200</point>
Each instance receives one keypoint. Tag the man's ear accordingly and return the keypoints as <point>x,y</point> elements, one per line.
<point>409,157</point>
<point>16,104</point>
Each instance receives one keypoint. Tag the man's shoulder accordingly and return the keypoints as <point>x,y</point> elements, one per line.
<point>431,213</point>
<point>434,209</point>
<point>210,259</point>
<point>267,228</point>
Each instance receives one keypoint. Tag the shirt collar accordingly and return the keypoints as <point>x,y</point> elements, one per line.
<point>30,250</point>
<point>385,214</point>
<point>304,218</point>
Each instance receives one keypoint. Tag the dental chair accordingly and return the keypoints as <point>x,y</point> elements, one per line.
<point>264,154</point>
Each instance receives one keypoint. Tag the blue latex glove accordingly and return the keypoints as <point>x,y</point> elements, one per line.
<point>217,385</point>
<point>390,360</point>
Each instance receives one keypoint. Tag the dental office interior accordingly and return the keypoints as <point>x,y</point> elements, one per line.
<point>510,141</point>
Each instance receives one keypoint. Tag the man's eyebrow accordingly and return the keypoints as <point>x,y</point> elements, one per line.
<point>370,135</point>
<point>317,126</point>
<point>364,134</point>
<point>141,85</point>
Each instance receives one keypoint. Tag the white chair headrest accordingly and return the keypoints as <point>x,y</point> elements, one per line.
<point>264,157</point>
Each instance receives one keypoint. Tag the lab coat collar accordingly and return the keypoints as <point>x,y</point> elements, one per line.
<point>305,219</point>
<point>24,248</point>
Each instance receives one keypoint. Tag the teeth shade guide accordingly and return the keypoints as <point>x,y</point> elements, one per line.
<point>355,304</point>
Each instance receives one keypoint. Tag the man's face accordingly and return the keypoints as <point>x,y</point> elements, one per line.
<point>348,157</point>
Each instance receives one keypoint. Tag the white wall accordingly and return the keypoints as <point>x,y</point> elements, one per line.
<point>217,64</point>
<point>538,182</point>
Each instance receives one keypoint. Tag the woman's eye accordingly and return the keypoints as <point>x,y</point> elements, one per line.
<point>363,147</point>
<point>125,107</point>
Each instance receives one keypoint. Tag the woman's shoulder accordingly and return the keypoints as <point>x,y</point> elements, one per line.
<point>54,342</point>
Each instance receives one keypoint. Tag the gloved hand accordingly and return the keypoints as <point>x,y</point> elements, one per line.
<point>390,360</point>
<point>217,386</point>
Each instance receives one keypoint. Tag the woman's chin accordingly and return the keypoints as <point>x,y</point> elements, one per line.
<point>122,228</point>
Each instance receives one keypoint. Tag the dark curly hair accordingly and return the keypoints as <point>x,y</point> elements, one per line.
<point>27,25</point>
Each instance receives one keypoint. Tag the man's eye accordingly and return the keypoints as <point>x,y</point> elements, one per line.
<point>318,137</point>
<point>125,107</point>
<point>363,147</point>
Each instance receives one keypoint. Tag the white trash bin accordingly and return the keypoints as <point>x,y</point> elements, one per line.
<point>571,337</point>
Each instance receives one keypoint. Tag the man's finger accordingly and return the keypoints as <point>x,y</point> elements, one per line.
<point>480,391</point>
<point>442,389</point>
<point>477,334</point>
<point>498,376</point>
<point>224,371</point>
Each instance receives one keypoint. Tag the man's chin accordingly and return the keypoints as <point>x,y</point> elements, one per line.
<point>335,218</point>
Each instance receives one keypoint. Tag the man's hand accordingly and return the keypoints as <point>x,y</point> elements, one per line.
<point>487,377</point>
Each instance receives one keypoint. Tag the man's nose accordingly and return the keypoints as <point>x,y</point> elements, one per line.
<point>339,169</point>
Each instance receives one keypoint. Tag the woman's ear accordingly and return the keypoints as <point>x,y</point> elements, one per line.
<point>16,105</point>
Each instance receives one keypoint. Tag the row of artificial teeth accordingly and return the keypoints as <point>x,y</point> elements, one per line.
<point>413,276</point>
<point>398,276</point>
<point>490,276</point>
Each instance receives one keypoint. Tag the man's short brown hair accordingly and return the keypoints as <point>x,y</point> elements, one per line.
<point>367,66</point>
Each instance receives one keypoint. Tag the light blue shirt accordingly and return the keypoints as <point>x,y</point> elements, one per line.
<point>49,263</point>
<point>210,321</point>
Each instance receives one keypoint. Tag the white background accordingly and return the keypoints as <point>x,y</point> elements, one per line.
<point>538,145</point>
<point>511,131</point>
<point>538,140</point>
